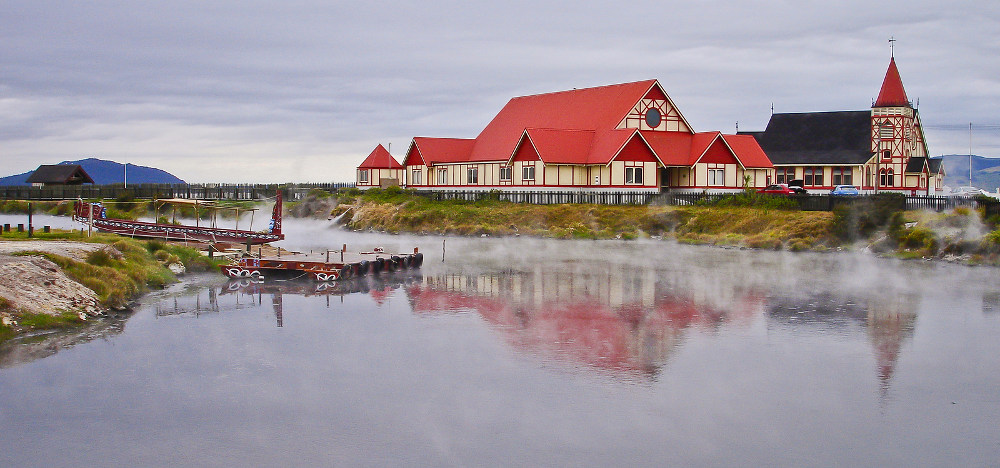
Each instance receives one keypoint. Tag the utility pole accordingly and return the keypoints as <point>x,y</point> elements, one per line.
<point>970,154</point>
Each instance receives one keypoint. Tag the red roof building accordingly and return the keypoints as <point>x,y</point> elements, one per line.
<point>623,137</point>
<point>379,169</point>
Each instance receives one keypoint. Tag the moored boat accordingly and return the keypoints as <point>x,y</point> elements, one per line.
<point>95,215</point>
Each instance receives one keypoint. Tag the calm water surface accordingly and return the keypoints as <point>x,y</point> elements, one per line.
<point>526,352</point>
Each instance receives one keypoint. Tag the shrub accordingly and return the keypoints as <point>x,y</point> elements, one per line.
<point>100,258</point>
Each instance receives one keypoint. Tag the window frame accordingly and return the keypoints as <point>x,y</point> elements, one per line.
<point>717,177</point>
<point>472,175</point>
<point>633,175</point>
<point>783,174</point>
<point>418,177</point>
<point>842,175</point>
<point>506,173</point>
<point>363,176</point>
<point>528,173</point>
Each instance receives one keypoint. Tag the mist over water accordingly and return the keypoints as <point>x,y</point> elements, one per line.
<point>531,352</point>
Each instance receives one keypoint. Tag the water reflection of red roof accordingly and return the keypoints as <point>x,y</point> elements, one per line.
<point>380,295</point>
<point>629,337</point>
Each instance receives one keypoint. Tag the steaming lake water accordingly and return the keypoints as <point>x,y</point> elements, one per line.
<point>528,352</point>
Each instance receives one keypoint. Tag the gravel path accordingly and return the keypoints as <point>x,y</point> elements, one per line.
<point>74,250</point>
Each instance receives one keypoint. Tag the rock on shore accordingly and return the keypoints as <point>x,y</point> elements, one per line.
<point>35,284</point>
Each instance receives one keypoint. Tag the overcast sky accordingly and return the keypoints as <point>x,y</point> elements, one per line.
<point>302,91</point>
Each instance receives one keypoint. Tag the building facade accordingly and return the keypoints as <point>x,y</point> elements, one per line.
<point>379,169</point>
<point>627,137</point>
<point>879,150</point>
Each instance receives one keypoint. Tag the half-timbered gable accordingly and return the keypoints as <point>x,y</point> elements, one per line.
<point>655,111</point>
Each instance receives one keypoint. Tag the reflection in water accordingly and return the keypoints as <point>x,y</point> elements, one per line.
<point>888,321</point>
<point>378,287</point>
<point>538,354</point>
<point>29,348</point>
<point>624,320</point>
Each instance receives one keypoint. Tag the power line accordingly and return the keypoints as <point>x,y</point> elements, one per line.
<point>964,126</point>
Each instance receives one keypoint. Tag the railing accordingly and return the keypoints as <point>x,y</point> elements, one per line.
<point>828,202</point>
<point>293,192</point>
<point>151,191</point>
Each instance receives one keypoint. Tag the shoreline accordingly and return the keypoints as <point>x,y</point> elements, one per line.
<point>65,280</point>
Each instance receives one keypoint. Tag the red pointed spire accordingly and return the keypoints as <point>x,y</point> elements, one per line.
<point>892,93</point>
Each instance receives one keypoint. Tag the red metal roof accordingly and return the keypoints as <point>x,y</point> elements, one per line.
<point>679,149</point>
<point>560,146</point>
<point>748,151</point>
<point>685,150</point>
<point>440,150</point>
<point>892,93</point>
<point>380,159</point>
<point>579,147</point>
<point>580,127</point>
<point>598,108</point>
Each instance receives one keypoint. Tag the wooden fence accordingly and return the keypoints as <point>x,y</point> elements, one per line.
<point>828,202</point>
<point>543,198</point>
<point>297,191</point>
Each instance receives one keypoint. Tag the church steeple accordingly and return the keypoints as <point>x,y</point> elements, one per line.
<point>892,93</point>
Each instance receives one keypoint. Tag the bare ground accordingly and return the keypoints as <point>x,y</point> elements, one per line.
<point>35,284</point>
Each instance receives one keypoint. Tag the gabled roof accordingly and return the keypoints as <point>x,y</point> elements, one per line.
<point>892,93</point>
<point>441,150</point>
<point>842,137</point>
<point>934,165</point>
<point>685,150</point>
<point>916,164</point>
<point>380,159</point>
<point>609,143</point>
<point>679,149</point>
<point>598,108</point>
<point>673,149</point>
<point>560,146</point>
<point>582,147</point>
<point>748,151</point>
<point>60,174</point>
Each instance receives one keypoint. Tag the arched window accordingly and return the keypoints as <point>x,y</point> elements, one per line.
<point>885,177</point>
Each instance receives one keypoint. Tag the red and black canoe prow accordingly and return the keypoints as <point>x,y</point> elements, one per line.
<point>95,214</point>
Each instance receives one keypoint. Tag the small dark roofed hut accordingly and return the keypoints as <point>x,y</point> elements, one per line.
<point>59,174</point>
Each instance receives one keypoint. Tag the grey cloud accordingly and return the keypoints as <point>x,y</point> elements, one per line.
<point>332,79</point>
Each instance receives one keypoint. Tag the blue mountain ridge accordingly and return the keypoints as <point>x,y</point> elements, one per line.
<point>108,172</point>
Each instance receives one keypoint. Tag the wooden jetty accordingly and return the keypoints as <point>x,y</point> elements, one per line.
<point>334,265</point>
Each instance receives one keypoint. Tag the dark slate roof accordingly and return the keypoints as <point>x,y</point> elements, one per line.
<point>821,138</point>
<point>915,164</point>
<point>934,165</point>
<point>59,174</point>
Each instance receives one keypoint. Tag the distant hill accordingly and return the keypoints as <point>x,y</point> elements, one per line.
<point>108,172</point>
<point>985,171</point>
